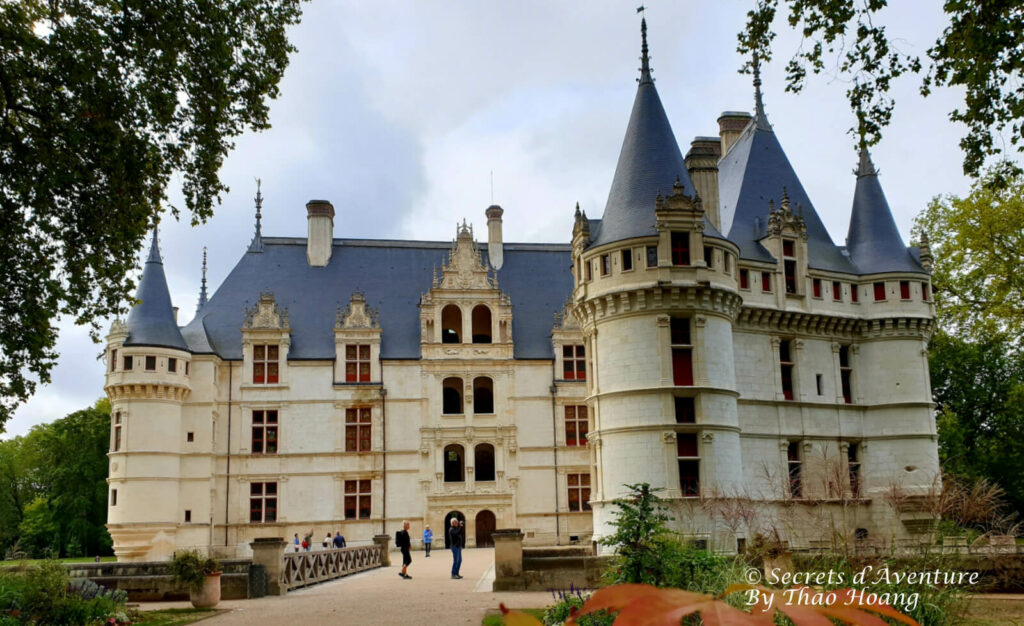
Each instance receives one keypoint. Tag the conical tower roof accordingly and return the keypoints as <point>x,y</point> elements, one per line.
<point>874,241</point>
<point>151,321</point>
<point>756,171</point>
<point>650,162</point>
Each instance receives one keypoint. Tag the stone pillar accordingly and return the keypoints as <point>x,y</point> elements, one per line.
<point>269,552</point>
<point>508,553</point>
<point>384,541</point>
<point>320,220</point>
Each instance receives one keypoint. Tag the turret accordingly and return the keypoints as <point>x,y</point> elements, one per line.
<point>148,372</point>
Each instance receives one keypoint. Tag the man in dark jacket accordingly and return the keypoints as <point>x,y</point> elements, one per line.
<point>456,541</point>
<point>339,540</point>
<point>404,544</point>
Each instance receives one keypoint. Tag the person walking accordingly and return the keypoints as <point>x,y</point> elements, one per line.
<point>404,543</point>
<point>339,540</point>
<point>307,541</point>
<point>328,540</point>
<point>428,538</point>
<point>297,542</point>
<point>456,540</point>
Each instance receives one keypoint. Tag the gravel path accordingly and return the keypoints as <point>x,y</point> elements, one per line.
<point>380,596</point>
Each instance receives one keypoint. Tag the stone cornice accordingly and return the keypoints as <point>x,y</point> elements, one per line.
<point>817,324</point>
<point>660,298</point>
<point>147,391</point>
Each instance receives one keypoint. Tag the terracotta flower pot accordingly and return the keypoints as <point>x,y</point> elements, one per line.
<point>209,595</point>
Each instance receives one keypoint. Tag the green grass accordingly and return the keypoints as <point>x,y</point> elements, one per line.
<point>82,559</point>
<point>494,618</point>
<point>174,617</point>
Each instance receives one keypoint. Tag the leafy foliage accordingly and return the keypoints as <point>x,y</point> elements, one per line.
<point>978,245</point>
<point>981,52</point>
<point>978,387</point>
<point>101,103</point>
<point>44,594</point>
<point>58,498</point>
<point>641,538</point>
<point>191,567</point>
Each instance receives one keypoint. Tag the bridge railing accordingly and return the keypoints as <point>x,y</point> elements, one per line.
<point>307,568</point>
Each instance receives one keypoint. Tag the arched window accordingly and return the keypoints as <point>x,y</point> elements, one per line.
<point>483,395</point>
<point>481,324</point>
<point>451,324</point>
<point>454,464</point>
<point>483,458</point>
<point>451,396</point>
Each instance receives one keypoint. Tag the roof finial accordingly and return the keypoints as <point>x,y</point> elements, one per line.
<point>202,289</point>
<point>759,115</point>
<point>154,247</point>
<point>865,167</point>
<point>257,240</point>
<point>645,59</point>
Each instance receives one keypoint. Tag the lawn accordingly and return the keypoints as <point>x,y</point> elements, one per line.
<point>82,559</point>
<point>990,610</point>
<point>174,617</point>
<point>493,617</point>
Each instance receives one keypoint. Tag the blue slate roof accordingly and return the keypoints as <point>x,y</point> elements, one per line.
<point>874,241</point>
<point>650,162</point>
<point>755,171</point>
<point>151,321</point>
<point>392,275</point>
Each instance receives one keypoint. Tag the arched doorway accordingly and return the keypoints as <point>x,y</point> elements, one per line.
<point>448,524</point>
<point>485,523</point>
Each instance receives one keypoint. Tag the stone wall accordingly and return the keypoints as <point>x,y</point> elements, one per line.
<point>151,581</point>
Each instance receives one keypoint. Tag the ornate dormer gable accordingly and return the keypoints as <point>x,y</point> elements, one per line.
<point>465,269</point>
<point>266,315</point>
<point>357,335</point>
<point>266,336</point>
<point>786,240</point>
<point>580,241</point>
<point>783,221</point>
<point>679,215</point>
<point>465,314</point>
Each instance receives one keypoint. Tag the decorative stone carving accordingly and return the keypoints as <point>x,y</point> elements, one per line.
<point>783,220</point>
<point>565,319</point>
<point>465,269</point>
<point>708,437</point>
<point>357,315</point>
<point>266,315</point>
<point>668,437</point>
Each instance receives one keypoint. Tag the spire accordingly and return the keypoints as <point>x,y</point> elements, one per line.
<point>645,59</point>
<point>154,248</point>
<point>257,240</point>
<point>202,290</point>
<point>874,241</point>
<point>151,321</point>
<point>759,115</point>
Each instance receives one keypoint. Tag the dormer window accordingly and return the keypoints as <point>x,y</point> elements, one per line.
<point>481,324</point>
<point>680,248</point>
<point>789,264</point>
<point>451,324</point>
<point>265,364</point>
<point>357,363</point>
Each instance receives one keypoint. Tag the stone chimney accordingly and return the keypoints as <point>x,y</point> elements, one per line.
<point>320,217</point>
<point>494,246</point>
<point>730,126</point>
<point>702,166</point>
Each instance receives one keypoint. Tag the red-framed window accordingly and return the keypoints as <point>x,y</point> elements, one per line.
<point>357,499</point>
<point>789,265</point>
<point>744,279</point>
<point>816,287</point>
<point>574,362</point>
<point>357,363</point>
<point>264,432</point>
<point>688,457</point>
<point>926,294</point>
<point>358,427</point>
<point>579,491</point>
<point>904,290</point>
<point>879,292</point>
<point>837,290</point>
<point>265,364</point>
<point>854,293</point>
<point>576,426</point>
<point>680,248</point>
<point>262,503</point>
<point>766,282</point>
<point>686,411</point>
<point>682,351</point>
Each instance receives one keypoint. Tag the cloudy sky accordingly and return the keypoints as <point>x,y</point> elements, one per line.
<point>398,112</point>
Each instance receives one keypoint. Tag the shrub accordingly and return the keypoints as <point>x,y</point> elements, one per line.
<point>44,594</point>
<point>190,568</point>
<point>566,601</point>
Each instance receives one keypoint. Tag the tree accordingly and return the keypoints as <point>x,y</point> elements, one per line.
<point>640,536</point>
<point>980,51</point>
<point>102,102</point>
<point>58,497</point>
<point>978,246</point>
<point>978,387</point>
